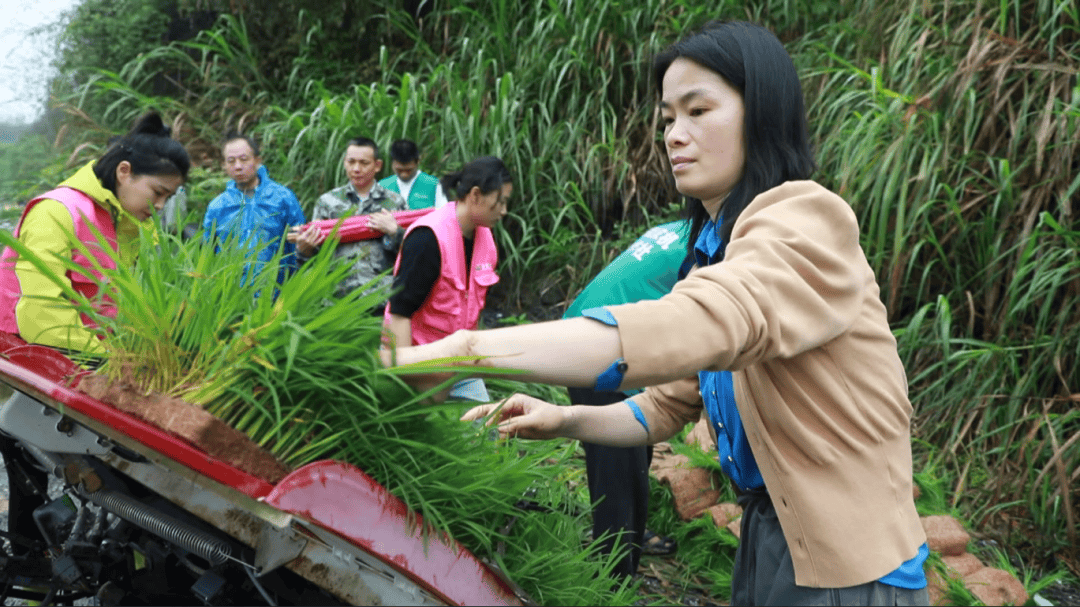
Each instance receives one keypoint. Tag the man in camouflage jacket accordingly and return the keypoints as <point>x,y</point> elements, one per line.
<point>361,196</point>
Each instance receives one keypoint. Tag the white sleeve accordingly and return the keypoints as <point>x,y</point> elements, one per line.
<point>440,197</point>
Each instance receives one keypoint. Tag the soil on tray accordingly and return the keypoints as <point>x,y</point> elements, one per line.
<point>189,422</point>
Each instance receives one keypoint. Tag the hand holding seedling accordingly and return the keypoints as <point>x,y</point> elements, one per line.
<point>423,366</point>
<point>522,416</point>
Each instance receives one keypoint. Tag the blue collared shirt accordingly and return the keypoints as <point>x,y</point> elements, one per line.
<point>732,448</point>
<point>258,222</point>
<point>718,393</point>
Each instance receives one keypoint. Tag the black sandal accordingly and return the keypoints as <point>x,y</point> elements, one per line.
<point>657,545</point>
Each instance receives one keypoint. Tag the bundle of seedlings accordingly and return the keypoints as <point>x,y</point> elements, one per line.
<point>293,373</point>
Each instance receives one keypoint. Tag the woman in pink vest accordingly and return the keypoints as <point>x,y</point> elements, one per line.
<point>101,206</point>
<point>447,260</point>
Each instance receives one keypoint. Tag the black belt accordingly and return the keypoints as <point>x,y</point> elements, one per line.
<point>751,495</point>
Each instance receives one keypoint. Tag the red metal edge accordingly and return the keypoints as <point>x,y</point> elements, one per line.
<point>168,445</point>
<point>340,498</point>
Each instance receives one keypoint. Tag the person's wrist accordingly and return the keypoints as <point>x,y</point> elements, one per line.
<point>568,421</point>
<point>463,343</point>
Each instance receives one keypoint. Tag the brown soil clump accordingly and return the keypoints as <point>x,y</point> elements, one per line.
<point>191,423</point>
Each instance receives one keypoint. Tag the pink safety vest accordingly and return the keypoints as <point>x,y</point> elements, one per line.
<point>457,296</point>
<point>84,214</point>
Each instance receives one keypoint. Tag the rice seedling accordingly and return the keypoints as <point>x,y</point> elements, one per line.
<point>706,554</point>
<point>956,593</point>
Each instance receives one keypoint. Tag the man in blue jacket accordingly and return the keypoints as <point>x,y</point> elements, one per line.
<point>254,209</point>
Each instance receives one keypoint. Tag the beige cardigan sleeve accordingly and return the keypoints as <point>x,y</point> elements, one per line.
<point>793,277</point>
<point>669,407</point>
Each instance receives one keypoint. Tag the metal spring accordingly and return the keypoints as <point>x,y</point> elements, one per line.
<point>98,528</point>
<point>178,532</point>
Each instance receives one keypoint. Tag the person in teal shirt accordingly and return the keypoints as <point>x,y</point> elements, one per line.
<point>419,189</point>
<point>618,477</point>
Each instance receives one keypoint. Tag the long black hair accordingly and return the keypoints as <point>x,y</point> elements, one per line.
<point>148,148</point>
<point>751,59</point>
<point>486,172</point>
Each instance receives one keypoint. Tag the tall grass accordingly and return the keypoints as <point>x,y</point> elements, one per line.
<point>567,134</point>
<point>1003,413</point>
<point>954,139</point>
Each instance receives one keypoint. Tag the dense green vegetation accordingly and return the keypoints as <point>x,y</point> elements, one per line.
<point>949,126</point>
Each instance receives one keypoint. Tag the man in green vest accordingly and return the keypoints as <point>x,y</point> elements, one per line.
<point>618,477</point>
<point>419,189</point>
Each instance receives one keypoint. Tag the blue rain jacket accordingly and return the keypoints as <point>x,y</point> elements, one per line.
<point>258,223</point>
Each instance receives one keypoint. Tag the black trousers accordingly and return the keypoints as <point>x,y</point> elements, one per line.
<point>619,488</point>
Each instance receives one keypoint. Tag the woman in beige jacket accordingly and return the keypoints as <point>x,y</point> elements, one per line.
<point>779,334</point>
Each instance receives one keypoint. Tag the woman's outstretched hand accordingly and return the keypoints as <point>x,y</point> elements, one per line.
<point>522,416</point>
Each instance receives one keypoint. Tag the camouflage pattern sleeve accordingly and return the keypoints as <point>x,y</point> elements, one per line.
<point>324,207</point>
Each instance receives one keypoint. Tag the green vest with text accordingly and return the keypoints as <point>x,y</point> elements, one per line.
<point>422,194</point>
<point>646,270</point>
